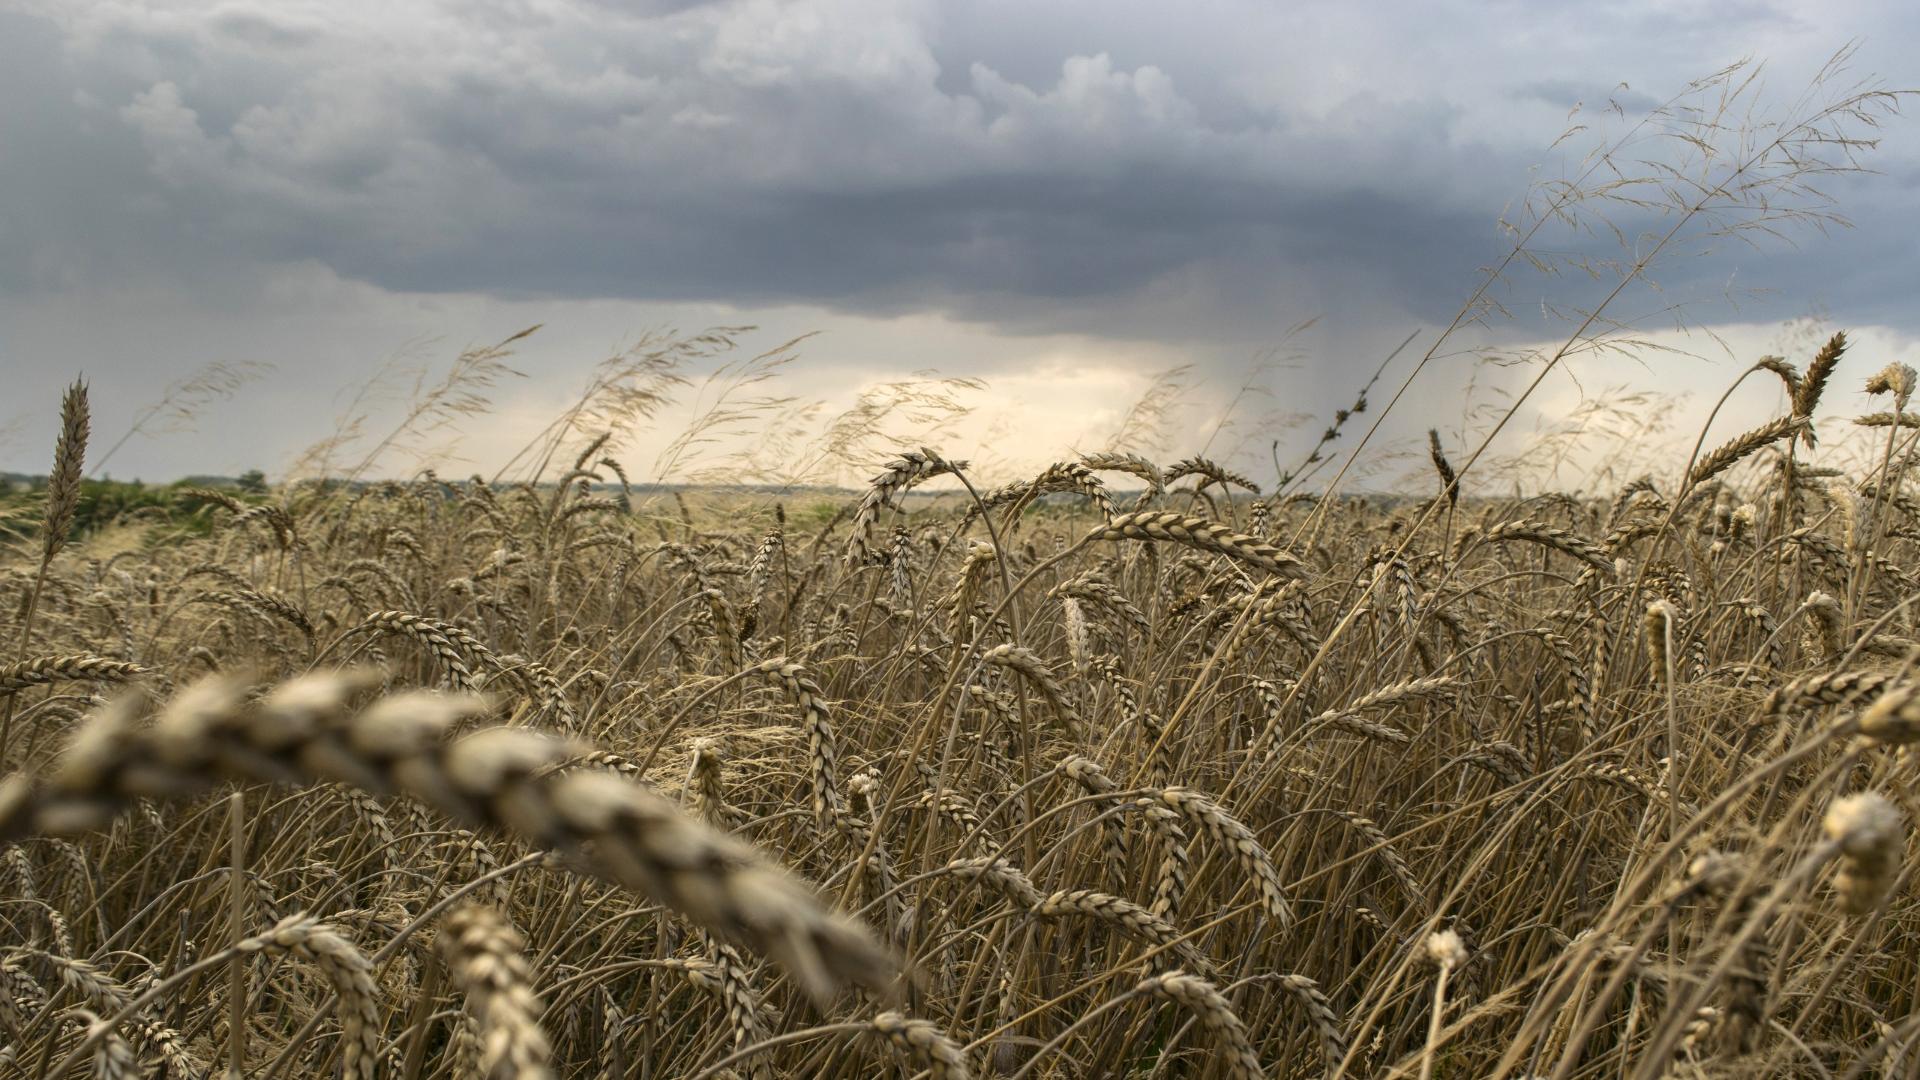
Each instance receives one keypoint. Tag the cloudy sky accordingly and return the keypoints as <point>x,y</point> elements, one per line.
<point>1061,199</point>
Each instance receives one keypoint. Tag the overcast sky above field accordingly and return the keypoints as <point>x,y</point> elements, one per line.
<point>1060,198</point>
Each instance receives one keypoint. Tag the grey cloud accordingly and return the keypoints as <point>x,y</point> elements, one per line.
<point>263,30</point>
<point>1205,173</point>
<point>1569,95</point>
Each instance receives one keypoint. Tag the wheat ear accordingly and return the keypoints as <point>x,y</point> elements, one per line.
<point>1806,396</point>
<point>63,483</point>
<point>485,955</point>
<point>308,729</point>
<point>76,668</point>
<point>1202,535</point>
<point>1449,480</point>
<point>925,1043</point>
<point>1871,835</point>
<point>1744,446</point>
<point>1241,844</point>
<point>1215,1013</point>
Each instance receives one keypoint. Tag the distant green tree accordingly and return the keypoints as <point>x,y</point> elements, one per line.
<point>253,480</point>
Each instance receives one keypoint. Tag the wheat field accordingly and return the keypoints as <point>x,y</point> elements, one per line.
<point>1122,771</point>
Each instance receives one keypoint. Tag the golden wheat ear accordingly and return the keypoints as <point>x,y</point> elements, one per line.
<point>69,459</point>
<point>486,956</point>
<point>1201,535</point>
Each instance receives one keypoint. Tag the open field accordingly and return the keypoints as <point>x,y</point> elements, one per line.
<point>1266,694</point>
<point>1122,772</point>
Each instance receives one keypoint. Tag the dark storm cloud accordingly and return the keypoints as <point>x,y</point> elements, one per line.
<point>1130,170</point>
